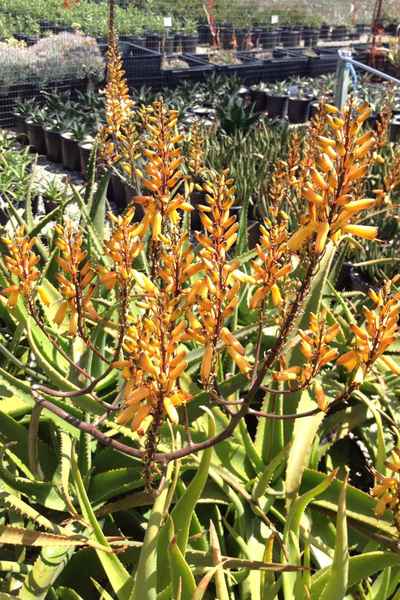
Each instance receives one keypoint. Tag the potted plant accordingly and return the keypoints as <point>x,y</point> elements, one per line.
<point>22,111</point>
<point>189,38</point>
<point>52,136</point>
<point>37,118</point>
<point>277,101</point>
<point>74,134</point>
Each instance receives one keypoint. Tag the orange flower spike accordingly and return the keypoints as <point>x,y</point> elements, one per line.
<point>22,271</point>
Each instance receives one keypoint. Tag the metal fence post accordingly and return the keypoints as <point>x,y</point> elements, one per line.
<point>342,80</point>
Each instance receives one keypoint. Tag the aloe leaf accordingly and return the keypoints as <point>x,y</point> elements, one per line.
<point>91,177</point>
<point>360,506</point>
<point>65,593</point>
<point>269,440</point>
<point>220,582</point>
<point>291,534</point>
<point>114,483</point>
<point>380,588</point>
<point>146,574</point>
<point>265,477</point>
<point>339,571</point>
<point>97,210</point>
<point>360,567</point>
<point>41,492</point>
<point>104,595</point>
<point>183,582</point>
<point>21,536</point>
<point>15,398</point>
<point>65,468</point>
<point>302,440</point>
<point>118,576</point>
<point>184,508</point>
<point>44,573</point>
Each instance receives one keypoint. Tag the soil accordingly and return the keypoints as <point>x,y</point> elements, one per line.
<point>224,57</point>
<point>173,63</point>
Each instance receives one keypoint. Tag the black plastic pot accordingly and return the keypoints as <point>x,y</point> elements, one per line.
<point>290,39</point>
<point>204,34</point>
<point>226,37</point>
<point>255,36</point>
<point>177,42</point>
<point>153,41</point>
<point>118,197</point>
<point>269,39</point>
<point>241,37</point>
<point>20,128</point>
<point>36,137</point>
<point>53,145</point>
<point>277,106</point>
<point>325,32</point>
<point>70,153</point>
<point>84,157</point>
<point>259,100</point>
<point>196,198</point>
<point>253,233</point>
<point>310,37</point>
<point>394,131</point>
<point>339,33</point>
<point>189,44</point>
<point>168,45</point>
<point>298,110</point>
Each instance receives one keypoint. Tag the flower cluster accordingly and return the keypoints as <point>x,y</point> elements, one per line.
<point>316,348</point>
<point>163,175</point>
<point>215,294</point>
<point>21,265</point>
<point>272,263</point>
<point>332,184</point>
<point>76,280</point>
<point>375,336</point>
<point>387,489</point>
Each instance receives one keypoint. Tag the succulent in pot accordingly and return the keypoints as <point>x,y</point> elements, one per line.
<point>52,136</point>
<point>72,136</point>
<point>22,112</point>
<point>35,124</point>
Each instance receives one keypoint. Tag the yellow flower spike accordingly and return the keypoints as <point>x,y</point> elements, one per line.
<point>306,350</point>
<point>178,370</point>
<point>356,172</point>
<point>391,364</point>
<point>328,357</point>
<point>310,195</point>
<point>358,205</point>
<point>243,364</point>
<point>61,313</point>
<point>300,237</point>
<point>325,163</point>
<point>320,397</point>
<point>322,236</point>
<point>141,414</point>
<point>290,374</point>
<point>206,363</point>
<point>258,297</point>
<point>137,395</point>
<point>171,411</point>
<point>358,332</point>
<point>242,277</point>
<point>349,360</point>
<point>276,295</point>
<point>367,232</point>
<point>330,108</point>
<point>377,298</point>
<point>318,179</point>
<point>44,296</point>
<point>229,339</point>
